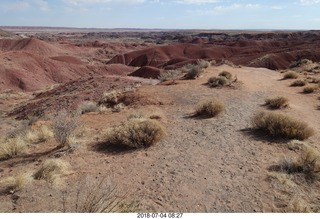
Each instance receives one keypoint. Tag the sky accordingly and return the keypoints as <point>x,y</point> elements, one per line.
<point>163,14</point>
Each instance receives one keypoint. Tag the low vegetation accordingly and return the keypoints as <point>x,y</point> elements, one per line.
<point>193,73</point>
<point>209,108</point>
<point>136,133</point>
<point>12,147</point>
<point>277,102</point>
<point>226,74</point>
<point>307,162</point>
<point>87,106</point>
<point>298,83</point>
<point>52,170</point>
<point>36,136</point>
<point>15,184</point>
<point>219,81</point>
<point>172,75</point>
<point>281,125</point>
<point>290,75</point>
<point>64,124</point>
<point>309,89</point>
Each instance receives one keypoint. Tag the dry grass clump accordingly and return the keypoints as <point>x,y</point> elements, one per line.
<point>12,147</point>
<point>219,81</point>
<point>193,73</point>
<point>277,102</point>
<point>14,184</point>
<point>281,125</point>
<point>298,83</point>
<point>63,125</point>
<point>87,106</point>
<point>172,75</point>
<point>52,170</point>
<point>226,74</point>
<point>38,135</point>
<point>136,133</point>
<point>290,75</point>
<point>310,89</point>
<point>203,63</point>
<point>308,163</point>
<point>209,108</point>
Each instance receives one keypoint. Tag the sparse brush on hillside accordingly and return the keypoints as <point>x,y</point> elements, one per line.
<point>52,170</point>
<point>18,182</point>
<point>172,75</point>
<point>209,108</point>
<point>226,74</point>
<point>310,89</point>
<point>63,125</point>
<point>87,106</point>
<point>307,162</point>
<point>41,134</point>
<point>277,102</point>
<point>281,125</point>
<point>136,133</point>
<point>203,63</point>
<point>290,75</point>
<point>298,83</point>
<point>193,73</point>
<point>219,81</point>
<point>12,147</point>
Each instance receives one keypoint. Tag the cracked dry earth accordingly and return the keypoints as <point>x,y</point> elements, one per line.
<point>201,165</point>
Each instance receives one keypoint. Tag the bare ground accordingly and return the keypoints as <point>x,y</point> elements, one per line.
<point>202,165</point>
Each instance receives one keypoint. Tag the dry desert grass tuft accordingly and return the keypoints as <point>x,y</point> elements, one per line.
<point>290,75</point>
<point>12,147</point>
<point>209,108</point>
<point>193,73</point>
<point>14,184</point>
<point>226,74</point>
<point>298,83</point>
<point>136,133</point>
<point>219,81</point>
<point>281,125</point>
<point>38,135</point>
<point>310,89</point>
<point>51,170</point>
<point>277,102</point>
<point>87,106</point>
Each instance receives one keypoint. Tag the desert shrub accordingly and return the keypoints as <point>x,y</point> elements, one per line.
<point>226,74</point>
<point>290,75</point>
<point>281,125</point>
<point>87,106</point>
<point>117,108</point>
<point>136,133</point>
<point>172,75</point>
<point>309,89</point>
<point>307,162</point>
<point>219,81</point>
<point>12,147</point>
<point>51,170</point>
<point>35,136</point>
<point>209,108</point>
<point>14,184</point>
<point>136,115</point>
<point>63,125</point>
<point>298,83</point>
<point>193,73</point>
<point>203,63</point>
<point>110,99</point>
<point>277,102</point>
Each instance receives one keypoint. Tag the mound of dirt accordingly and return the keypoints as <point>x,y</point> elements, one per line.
<point>146,72</point>
<point>31,45</point>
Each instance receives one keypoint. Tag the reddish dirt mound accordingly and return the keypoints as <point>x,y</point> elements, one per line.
<point>32,45</point>
<point>71,94</point>
<point>68,59</point>
<point>146,72</point>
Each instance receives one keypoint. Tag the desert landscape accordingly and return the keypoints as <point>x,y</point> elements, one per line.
<point>134,120</point>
